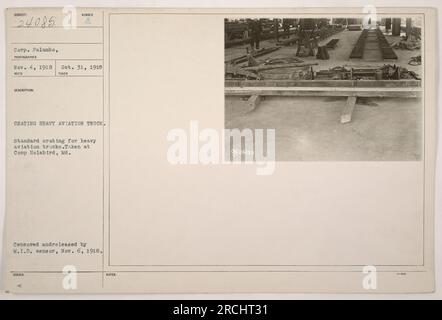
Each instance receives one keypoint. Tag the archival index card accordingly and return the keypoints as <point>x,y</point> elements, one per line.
<point>233,151</point>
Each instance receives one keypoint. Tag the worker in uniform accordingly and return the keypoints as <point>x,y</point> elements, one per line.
<point>255,32</point>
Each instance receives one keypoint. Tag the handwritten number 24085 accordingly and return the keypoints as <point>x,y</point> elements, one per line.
<point>39,22</point>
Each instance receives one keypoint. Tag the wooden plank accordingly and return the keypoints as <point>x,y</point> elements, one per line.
<point>253,102</point>
<point>327,92</point>
<point>325,83</point>
<point>234,70</point>
<point>279,66</point>
<point>258,53</point>
<point>264,36</point>
<point>348,109</point>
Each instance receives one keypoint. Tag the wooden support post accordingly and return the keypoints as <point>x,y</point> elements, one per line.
<point>387,24</point>
<point>408,27</point>
<point>396,27</point>
<point>348,109</point>
<point>253,102</point>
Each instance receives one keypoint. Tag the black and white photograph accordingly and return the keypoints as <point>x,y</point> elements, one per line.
<point>241,153</point>
<point>333,89</point>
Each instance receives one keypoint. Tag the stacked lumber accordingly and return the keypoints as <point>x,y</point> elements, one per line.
<point>358,50</point>
<point>387,51</point>
<point>385,48</point>
<point>356,27</point>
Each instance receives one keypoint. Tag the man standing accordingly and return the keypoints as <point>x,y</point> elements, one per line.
<point>255,31</point>
<point>286,27</point>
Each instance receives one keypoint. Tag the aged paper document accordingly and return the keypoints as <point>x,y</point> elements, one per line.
<point>221,151</point>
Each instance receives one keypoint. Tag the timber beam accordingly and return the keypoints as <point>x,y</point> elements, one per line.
<point>324,84</point>
<point>325,92</point>
<point>347,112</point>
